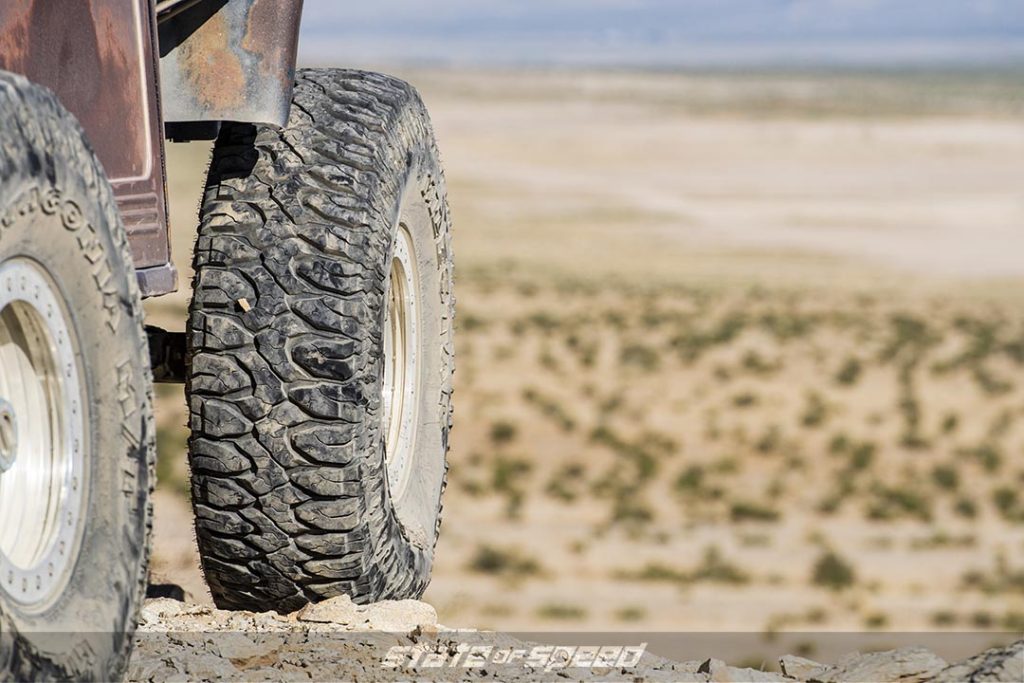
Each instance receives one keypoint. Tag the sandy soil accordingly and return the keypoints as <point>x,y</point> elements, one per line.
<point>720,341</point>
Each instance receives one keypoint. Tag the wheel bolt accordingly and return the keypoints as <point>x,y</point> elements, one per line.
<point>8,436</point>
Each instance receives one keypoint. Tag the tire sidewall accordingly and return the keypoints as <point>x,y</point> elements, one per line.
<point>418,505</point>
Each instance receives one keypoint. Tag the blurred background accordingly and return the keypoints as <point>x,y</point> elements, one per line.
<point>739,292</point>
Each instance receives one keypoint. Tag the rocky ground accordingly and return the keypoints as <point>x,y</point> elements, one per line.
<point>338,640</point>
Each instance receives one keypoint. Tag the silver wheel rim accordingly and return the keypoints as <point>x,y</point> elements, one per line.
<point>42,436</point>
<point>401,349</point>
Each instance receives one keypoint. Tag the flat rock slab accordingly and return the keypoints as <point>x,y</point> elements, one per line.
<point>391,615</point>
<point>906,665</point>
<point>801,668</point>
<point>997,664</point>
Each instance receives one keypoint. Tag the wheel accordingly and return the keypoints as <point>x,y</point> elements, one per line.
<point>320,350</point>
<point>76,425</point>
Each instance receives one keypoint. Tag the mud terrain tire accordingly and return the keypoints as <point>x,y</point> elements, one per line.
<point>76,384</point>
<point>288,328</point>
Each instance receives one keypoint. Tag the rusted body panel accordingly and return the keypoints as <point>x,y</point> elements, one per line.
<point>124,67</point>
<point>98,56</point>
<point>230,60</point>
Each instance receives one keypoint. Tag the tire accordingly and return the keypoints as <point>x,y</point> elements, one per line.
<point>76,423</point>
<point>296,495</point>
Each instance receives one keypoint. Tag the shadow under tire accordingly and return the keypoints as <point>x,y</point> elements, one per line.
<point>77,450</point>
<point>320,350</point>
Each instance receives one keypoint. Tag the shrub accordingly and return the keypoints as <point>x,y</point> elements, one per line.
<point>1013,622</point>
<point>507,477</point>
<point>1006,501</point>
<point>743,511</point>
<point>967,508</point>
<point>770,441</point>
<point>653,572</point>
<point>562,484</point>
<point>949,423</point>
<point>838,444</point>
<point>830,504</point>
<point>630,613</point>
<point>946,477</point>
<point>815,410</point>
<point>629,509</point>
<point>911,337</point>
<point>744,400</point>
<point>756,364</point>
<point>548,360</point>
<point>989,383</point>
<point>988,455</point>
<point>876,620</point>
<point>503,432</point>
<point>690,480</point>
<point>640,356</point>
<point>833,572</point>
<point>469,322</point>
<point>982,619</point>
<point>894,503</point>
<point>862,456</point>
<point>549,408</point>
<point>504,562</point>
<point>561,612</point>
<point>850,372</point>
<point>716,569</point>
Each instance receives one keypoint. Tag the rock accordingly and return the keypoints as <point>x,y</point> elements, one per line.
<point>392,616</point>
<point>719,672</point>
<point>709,666</point>
<point>1003,664</point>
<point>734,675</point>
<point>399,616</point>
<point>906,665</point>
<point>801,668</point>
<point>241,647</point>
<point>339,610</point>
<point>153,611</point>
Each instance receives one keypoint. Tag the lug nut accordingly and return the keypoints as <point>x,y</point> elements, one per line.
<point>8,436</point>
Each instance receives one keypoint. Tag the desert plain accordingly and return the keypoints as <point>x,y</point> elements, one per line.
<point>737,352</point>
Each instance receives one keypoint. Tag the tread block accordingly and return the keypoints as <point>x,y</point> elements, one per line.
<point>218,375</point>
<point>326,358</point>
<point>222,493</point>
<point>219,418</point>
<point>342,514</point>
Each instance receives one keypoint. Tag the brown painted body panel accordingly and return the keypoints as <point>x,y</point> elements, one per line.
<point>99,57</point>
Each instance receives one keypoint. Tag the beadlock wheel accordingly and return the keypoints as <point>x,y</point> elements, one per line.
<point>42,467</point>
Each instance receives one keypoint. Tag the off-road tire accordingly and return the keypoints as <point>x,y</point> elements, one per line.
<point>57,214</point>
<point>297,228</point>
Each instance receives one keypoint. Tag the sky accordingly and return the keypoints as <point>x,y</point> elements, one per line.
<point>665,33</point>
